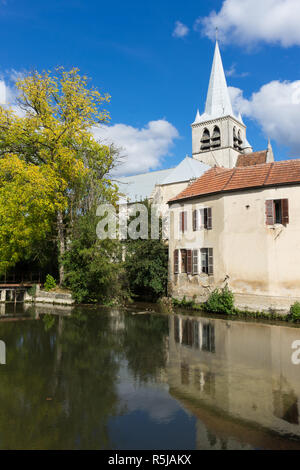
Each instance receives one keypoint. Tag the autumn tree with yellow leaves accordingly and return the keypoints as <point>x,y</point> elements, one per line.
<point>52,169</point>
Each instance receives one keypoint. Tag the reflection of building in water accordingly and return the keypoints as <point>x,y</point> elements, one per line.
<point>285,402</point>
<point>236,376</point>
<point>117,320</point>
<point>193,333</point>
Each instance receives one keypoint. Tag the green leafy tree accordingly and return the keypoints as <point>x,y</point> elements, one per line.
<point>146,264</point>
<point>94,270</point>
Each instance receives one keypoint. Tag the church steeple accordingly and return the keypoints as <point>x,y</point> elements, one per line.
<point>219,136</point>
<point>218,102</point>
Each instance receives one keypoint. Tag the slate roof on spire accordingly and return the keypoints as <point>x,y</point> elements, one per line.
<point>218,103</point>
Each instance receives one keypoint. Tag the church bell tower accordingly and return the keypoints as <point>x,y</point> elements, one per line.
<point>218,136</point>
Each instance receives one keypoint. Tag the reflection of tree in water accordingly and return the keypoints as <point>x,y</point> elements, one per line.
<point>58,392</point>
<point>144,345</point>
<point>89,370</point>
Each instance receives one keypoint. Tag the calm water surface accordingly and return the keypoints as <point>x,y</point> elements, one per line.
<point>125,379</point>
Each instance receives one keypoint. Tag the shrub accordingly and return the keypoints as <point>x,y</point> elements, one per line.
<point>32,290</point>
<point>220,301</point>
<point>184,303</point>
<point>295,311</point>
<point>166,305</point>
<point>50,283</point>
<point>94,272</point>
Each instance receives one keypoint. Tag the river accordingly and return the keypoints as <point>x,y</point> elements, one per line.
<point>99,378</point>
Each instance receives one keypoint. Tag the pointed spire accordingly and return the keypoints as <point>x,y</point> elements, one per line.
<point>240,118</point>
<point>218,102</point>
<point>246,147</point>
<point>269,144</point>
<point>270,154</point>
<point>198,117</point>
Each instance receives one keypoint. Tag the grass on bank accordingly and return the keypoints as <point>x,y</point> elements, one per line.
<point>221,301</point>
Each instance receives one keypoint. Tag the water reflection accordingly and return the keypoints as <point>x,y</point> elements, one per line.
<point>112,379</point>
<point>240,374</point>
<point>194,333</point>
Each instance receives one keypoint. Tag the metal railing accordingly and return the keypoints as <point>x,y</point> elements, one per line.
<point>22,278</point>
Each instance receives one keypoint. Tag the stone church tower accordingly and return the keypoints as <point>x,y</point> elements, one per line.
<point>218,136</point>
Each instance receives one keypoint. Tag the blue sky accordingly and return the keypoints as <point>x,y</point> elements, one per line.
<point>129,49</point>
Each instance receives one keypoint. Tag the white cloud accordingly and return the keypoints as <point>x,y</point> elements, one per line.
<point>152,399</point>
<point>247,22</point>
<point>181,30</point>
<point>143,149</point>
<point>2,93</point>
<point>15,75</point>
<point>232,72</point>
<point>9,91</point>
<point>276,107</point>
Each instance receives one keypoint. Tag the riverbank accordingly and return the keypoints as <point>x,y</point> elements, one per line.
<point>191,308</point>
<point>55,296</point>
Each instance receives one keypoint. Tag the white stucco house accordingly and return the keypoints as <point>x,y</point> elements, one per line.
<point>240,227</point>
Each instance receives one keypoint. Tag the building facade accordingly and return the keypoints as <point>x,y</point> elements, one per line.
<point>239,227</point>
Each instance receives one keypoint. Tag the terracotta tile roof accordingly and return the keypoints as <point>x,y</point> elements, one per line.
<point>218,180</point>
<point>254,158</point>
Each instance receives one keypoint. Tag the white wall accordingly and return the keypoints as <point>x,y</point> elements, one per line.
<point>259,260</point>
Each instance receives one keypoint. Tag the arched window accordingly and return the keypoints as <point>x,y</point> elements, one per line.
<point>235,139</point>
<point>205,141</point>
<point>240,141</point>
<point>216,138</point>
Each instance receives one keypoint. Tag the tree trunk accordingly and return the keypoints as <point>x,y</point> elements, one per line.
<point>61,246</point>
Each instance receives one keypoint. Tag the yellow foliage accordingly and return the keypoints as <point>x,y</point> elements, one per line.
<point>49,158</point>
<point>29,198</point>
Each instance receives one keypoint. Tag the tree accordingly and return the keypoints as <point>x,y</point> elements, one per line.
<point>146,264</point>
<point>53,136</point>
<point>94,268</point>
<point>29,199</point>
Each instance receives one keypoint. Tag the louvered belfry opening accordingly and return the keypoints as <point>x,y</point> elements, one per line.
<point>216,138</point>
<point>237,140</point>
<point>205,141</point>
